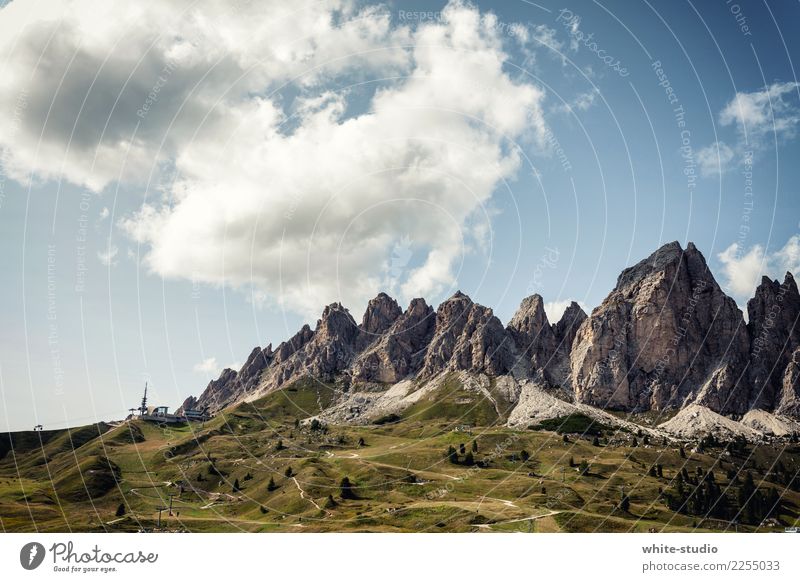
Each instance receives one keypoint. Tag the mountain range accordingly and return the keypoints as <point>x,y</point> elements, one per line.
<point>662,410</point>
<point>666,339</point>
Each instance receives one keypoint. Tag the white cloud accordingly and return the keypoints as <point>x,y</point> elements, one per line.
<point>263,173</point>
<point>581,102</point>
<point>109,256</point>
<point>535,37</point>
<point>546,36</point>
<point>743,270</point>
<point>208,366</point>
<point>555,309</point>
<point>715,159</point>
<point>97,90</point>
<point>773,108</point>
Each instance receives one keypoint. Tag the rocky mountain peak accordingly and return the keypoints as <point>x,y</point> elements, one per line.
<point>296,342</point>
<point>667,259</point>
<point>532,333</point>
<point>789,282</point>
<point>666,335</point>
<point>774,331</point>
<point>418,307</point>
<point>454,308</point>
<point>336,321</point>
<point>255,363</point>
<point>219,392</point>
<point>530,313</point>
<point>401,349</point>
<point>567,327</point>
<point>469,337</point>
<point>381,313</point>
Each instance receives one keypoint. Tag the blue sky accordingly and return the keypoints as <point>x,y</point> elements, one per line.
<point>180,186</point>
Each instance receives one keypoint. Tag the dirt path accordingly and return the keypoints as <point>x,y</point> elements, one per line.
<point>420,472</point>
<point>225,519</point>
<point>305,496</point>
<point>530,518</point>
<point>113,521</point>
<point>503,501</point>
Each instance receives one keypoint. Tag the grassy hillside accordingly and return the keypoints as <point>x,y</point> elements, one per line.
<point>256,468</point>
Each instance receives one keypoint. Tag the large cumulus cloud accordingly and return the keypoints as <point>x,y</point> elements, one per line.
<point>283,148</point>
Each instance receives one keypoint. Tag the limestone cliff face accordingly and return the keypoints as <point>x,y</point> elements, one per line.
<point>789,403</point>
<point>297,341</point>
<point>400,350</point>
<point>544,346</point>
<point>329,351</point>
<point>567,327</point>
<point>774,332</point>
<point>564,332</point>
<point>336,347</point>
<point>665,336</point>
<point>189,404</point>
<point>232,385</point>
<point>218,394</point>
<point>379,317</point>
<point>467,337</point>
<point>532,333</point>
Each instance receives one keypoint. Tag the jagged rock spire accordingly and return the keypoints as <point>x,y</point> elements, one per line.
<point>666,335</point>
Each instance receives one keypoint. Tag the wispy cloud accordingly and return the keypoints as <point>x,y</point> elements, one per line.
<point>771,109</point>
<point>743,269</point>
<point>715,159</point>
<point>108,257</point>
<point>581,102</point>
<point>208,366</point>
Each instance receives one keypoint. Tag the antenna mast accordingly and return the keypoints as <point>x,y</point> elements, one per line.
<point>143,408</point>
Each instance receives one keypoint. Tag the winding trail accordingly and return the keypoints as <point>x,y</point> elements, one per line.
<point>503,501</point>
<point>307,497</point>
<point>531,518</point>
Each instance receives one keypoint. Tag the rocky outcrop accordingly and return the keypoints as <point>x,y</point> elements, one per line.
<point>189,404</point>
<point>557,371</point>
<point>666,336</point>
<point>232,385</point>
<point>250,373</point>
<point>379,317</point>
<point>545,347</point>
<point>774,332</point>
<point>789,403</point>
<point>329,351</point>
<point>532,333</point>
<point>567,327</point>
<point>400,351</point>
<point>220,392</point>
<point>467,337</point>
<point>288,348</point>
